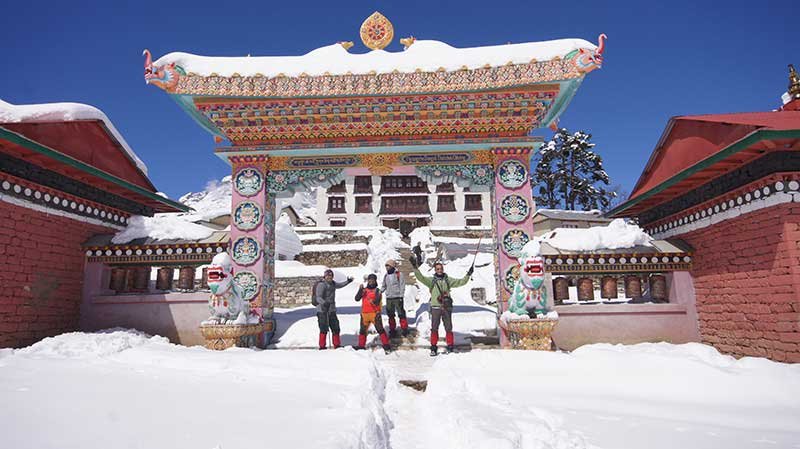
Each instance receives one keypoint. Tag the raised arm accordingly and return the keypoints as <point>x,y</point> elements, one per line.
<point>342,284</point>
<point>426,281</point>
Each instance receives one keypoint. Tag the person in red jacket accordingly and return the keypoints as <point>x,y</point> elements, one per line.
<point>371,312</point>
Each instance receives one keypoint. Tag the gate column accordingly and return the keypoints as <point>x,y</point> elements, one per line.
<point>513,216</point>
<point>252,236</point>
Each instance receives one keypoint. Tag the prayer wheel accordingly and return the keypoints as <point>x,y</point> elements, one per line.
<point>633,287</point>
<point>608,287</point>
<point>561,289</point>
<point>585,289</point>
<point>164,278</point>
<point>186,278</point>
<point>204,279</point>
<point>658,287</point>
<point>118,279</point>
<point>140,277</point>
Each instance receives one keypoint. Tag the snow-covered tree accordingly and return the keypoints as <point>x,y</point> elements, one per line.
<point>568,174</point>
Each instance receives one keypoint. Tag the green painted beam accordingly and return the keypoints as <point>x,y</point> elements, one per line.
<point>32,145</point>
<point>740,145</point>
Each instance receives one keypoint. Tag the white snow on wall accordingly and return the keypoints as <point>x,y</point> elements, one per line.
<point>425,55</point>
<point>616,235</point>
<point>64,112</point>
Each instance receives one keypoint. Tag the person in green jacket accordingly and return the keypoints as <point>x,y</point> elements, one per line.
<point>441,301</point>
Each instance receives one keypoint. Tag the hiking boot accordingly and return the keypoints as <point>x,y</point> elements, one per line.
<point>405,332</point>
<point>387,349</point>
<point>393,333</point>
<point>449,349</point>
<point>434,351</point>
<point>358,348</point>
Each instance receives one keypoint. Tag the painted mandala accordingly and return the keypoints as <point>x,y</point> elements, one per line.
<point>248,182</point>
<point>513,241</point>
<point>512,174</point>
<point>511,276</point>
<point>245,250</point>
<point>514,208</point>
<point>247,215</point>
<point>249,284</point>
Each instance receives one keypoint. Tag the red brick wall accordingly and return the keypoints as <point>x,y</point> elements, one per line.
<point>747,280</point>
<point>41,275</point>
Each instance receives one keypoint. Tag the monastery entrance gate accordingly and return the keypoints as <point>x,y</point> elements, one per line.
<point>441,113</point>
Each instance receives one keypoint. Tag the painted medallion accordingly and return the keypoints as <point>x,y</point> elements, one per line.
<point>245,250</point>
<point>512,174</point>
<point>514,208</point>
<point>248,282</point>
<point>513,241</point>
<point>511,276</point>
<point>248,182</point>
<point>247,215</point>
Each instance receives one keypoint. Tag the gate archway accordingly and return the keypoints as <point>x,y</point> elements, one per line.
<point>441,113</point>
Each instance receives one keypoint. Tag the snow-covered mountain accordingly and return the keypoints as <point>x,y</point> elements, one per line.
<point>212,202</point>
<point>215,201</point>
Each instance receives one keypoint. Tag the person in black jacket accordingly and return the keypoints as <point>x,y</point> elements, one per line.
<point>325,300</point>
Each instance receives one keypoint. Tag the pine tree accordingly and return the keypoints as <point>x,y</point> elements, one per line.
<point>569,173</point>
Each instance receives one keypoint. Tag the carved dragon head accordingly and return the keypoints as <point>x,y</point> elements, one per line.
<point>165,77</point>
<point>531,265</point>
<point>220,274</point>
<point>587,60</point>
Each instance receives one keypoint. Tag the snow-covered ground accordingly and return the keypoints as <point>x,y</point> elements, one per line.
<point>297,327</point>
<point>123,389</point>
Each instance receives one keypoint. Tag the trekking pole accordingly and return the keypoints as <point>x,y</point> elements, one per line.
<point>477,248</point>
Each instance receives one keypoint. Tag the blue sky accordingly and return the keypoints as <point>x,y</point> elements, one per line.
<point>663,60</point>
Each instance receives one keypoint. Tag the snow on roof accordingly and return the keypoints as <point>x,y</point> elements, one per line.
<point>64,112</point>
<point>424,55</point>
<point>617,235</point>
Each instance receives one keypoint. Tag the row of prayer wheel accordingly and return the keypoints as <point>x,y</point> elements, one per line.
<point>137,279</point>
<point>608,287</point>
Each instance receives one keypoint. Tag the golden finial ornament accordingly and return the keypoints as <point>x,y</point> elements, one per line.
<point>376,31</point>
<point>794,83</point>
<point>407,42</point>
<point>346,44</point>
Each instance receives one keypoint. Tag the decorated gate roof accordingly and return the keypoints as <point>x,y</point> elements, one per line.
<point>430,91</point>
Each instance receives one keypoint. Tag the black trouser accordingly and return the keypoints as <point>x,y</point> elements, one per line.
<point>328,319</point>
<point>441,314</point>
<point>393,304</point>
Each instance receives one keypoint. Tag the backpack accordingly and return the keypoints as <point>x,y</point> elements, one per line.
<point>314,301</point>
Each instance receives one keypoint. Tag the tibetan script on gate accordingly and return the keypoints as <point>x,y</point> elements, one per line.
<point>322,161</point>
<point>440,158</point>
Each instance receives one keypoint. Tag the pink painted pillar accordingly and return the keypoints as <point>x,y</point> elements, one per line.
<point>252,244</point>
<point>513,220</point>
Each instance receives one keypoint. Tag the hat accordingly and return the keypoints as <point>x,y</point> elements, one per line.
<point>391,263</point>
<point>372,276</point>
<point>327,272</point>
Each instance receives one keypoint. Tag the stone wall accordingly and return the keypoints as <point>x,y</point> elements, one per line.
<point>294,291</point>
<point>464,233</point>
<point>333,259</point>
<point>42,273</point>
<point>747,277</point>
<point>338,236</point>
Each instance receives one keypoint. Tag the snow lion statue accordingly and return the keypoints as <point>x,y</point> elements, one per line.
<point>530,295</point>
<point>226,303</point>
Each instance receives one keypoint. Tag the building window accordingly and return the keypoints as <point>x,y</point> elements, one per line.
<point>472,202</point>
<point>363,184</point>
<point>405,205</point>
<point>337,222</point>
<point>445,187</point>
<point>338,188</point>
<point>403,184</point>
<point>363,204</point>
<point>473,221</point>
<point>447,203</point>
<point>336,204</point>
